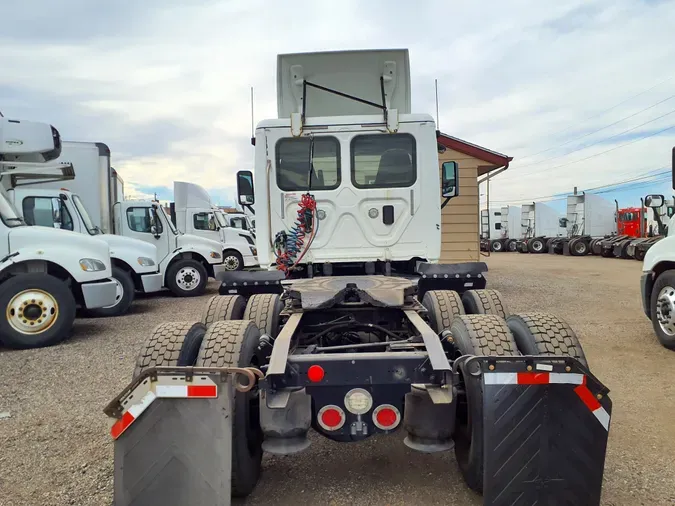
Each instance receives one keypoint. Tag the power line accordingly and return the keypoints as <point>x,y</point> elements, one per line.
<point>609,187</point>
<point>595,132</point>
<point>602,112</point>
<point>602,152</point>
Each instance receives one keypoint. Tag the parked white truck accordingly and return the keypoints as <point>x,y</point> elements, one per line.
<point>135,266</point>
<point>44,273</point>
<point>194,213</point>
<point>504,227</point>
<point>185,261</point>
<point>657,284</point>
<point>539,225</point>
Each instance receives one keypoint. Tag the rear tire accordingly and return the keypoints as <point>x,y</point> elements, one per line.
<point>483,335</point>
<point>233,344</point>
<point>223,307</point>
<point>535,245</point>
<point>512,245</point>
<point>442,306</point>
<point>171,344</point>
<point>639,254</point>
<point>497,246</point>
<point>578,247</point>
<point>50,305</point>
<point>264,310</point>
<point>545,334</point>
<point>126,291</point>
<point>187,278</point>
<point>485,302</point>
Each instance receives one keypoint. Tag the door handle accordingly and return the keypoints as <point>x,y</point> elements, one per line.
<point>388,215</point>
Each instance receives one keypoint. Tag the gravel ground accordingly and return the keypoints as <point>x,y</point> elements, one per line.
<point>56,449</point>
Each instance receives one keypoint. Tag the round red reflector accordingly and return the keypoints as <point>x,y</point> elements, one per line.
<point>315,373</point>
<point>386,417</point>
<point>331,417</point>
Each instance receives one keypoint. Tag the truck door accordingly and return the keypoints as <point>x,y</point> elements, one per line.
<point>144,223</point>
<point>48,211</point>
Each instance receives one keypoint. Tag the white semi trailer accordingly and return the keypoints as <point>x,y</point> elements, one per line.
<point>185,261</point>
<point>194,213</point>
<point>44,273</point>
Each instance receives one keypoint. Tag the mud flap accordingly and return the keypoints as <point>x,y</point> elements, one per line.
<point>546,423</point>
<point>174,451</point>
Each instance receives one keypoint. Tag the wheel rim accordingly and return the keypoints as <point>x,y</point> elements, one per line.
<point>665,310</point>
<point>32,311</point>
<point>537,245</point>
<point>513,246</point>
<point>119,293</point>
<point>231,263</point>
<point>580,247</point>
<point>188,278</point>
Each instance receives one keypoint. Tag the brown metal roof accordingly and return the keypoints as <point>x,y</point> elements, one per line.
<point>494,159</point>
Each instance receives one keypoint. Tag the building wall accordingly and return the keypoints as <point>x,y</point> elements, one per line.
<point>459,219</point>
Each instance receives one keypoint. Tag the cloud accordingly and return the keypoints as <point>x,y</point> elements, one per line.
<point>166,85</point>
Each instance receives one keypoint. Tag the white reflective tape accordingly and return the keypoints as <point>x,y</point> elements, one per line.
<point>569,378</point>
<point>172,391</point>
<point>544,367</point>
<point>602,415</point>
<point>136,409</point>
<point>501,378</point>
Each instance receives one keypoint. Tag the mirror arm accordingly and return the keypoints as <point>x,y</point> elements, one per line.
<point>445,202</point>
<point>249,207</point>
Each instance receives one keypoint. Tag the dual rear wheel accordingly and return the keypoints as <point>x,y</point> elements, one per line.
<point>228,335</point>
<point>483,326</point>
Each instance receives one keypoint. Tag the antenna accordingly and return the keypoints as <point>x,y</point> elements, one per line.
<point>252,122</point>
<point>438,124</point>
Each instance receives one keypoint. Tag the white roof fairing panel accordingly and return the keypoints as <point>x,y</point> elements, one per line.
<point>190,195</point>
<point>355,73</point>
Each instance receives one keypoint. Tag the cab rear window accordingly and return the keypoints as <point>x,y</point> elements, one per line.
<point>383,161</point>
<point>292,159</point>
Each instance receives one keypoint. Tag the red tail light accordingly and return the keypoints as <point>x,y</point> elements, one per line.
<point>386,417</point>
<point>315,373</point>
<point>331,417</point>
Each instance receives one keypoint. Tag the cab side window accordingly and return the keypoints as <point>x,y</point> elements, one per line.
<point>46,212</point>
<point>141,219</point>
<point>204,221</point>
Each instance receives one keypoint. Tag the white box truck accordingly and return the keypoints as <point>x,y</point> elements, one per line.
<point>185,261</point>
<point>194,213</point>
<point>44,273</point>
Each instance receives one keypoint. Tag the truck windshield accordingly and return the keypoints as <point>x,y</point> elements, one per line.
<point>10,217</point>
<point>91,228</point>
<point>222,222</point>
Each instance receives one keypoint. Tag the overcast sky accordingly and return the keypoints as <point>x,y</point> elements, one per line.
<point>166,86</point>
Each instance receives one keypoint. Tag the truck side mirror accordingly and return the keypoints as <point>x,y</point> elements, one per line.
<point>449,180</point>
<point>245,187</point>
<point>654,201</point>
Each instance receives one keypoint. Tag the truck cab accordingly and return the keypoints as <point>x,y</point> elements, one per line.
<point>187,260</point>
<point>44,273</point>
<point>194,213</point>
<point>135,263</point>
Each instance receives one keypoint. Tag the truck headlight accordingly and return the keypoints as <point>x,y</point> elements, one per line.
<point>145,261</point>
<point>91,265</point>
<point>254,251</point>
<point>214,254</point>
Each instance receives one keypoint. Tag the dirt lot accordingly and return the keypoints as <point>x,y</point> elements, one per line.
<point>56,449</point>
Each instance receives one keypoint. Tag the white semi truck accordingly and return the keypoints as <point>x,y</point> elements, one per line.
<point>657,285</point>
<point>185,262</point>
<point>589,217</point>
<point>539,226</point>
<point>347,185</point>
<point>504,226</point>
<point>194,213</point>
<point>44,273</point>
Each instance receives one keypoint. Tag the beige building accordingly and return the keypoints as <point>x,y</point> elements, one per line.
<point>459,221</point>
